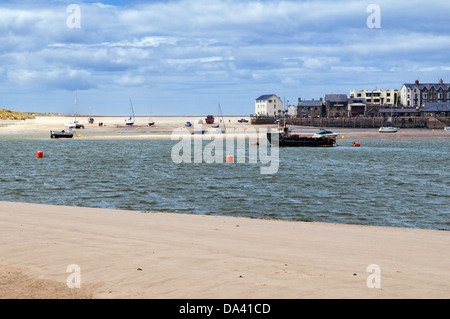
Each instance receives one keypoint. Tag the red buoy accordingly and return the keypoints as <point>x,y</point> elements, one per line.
<point>356,144</point>
<point>40,154</point>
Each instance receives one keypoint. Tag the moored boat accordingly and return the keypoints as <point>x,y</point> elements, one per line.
<point>288,138</point>
<point>62,134</point>
<point>388,129</point>
<point>324,132</point>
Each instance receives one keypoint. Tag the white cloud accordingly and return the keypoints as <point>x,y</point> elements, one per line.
<point>208,46</point>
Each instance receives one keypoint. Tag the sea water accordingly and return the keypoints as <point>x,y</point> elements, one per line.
<point>398,182</point>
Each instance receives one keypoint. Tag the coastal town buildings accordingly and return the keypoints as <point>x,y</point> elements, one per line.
<point>377,97</point>
<point>357,107</point>
<point>417,94</point>
<point>336,105</point>
<point>307,108</point>
<point>268,105</point>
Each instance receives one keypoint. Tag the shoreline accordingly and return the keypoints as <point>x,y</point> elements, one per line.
<point>130,254</point>
<point>165,126</point>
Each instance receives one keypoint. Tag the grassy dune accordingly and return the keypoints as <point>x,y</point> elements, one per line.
<point>15,115</point>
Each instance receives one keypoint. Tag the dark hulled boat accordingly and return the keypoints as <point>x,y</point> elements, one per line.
<point>62,134</point>
<point>288,138</point>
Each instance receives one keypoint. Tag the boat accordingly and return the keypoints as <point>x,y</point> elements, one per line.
<point>188,124</point>
<point>324,132</point>
<point>447,128</point>
<point>199,132</point>
<point>62,134</point>
<point>388,129</point>
<point>286,137</point>
<point>130,121</point>
<point>150,122</point>
<point>75,123</point>
<point>216,128</point>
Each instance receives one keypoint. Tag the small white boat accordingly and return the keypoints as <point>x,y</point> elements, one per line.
<point>388,129</point>
<point>130,121</point>
<point>325,133</point>
<point>447,128</point>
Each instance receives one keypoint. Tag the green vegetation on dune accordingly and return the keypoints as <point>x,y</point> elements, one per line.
<point>21,116</point>
<point>15,115</point>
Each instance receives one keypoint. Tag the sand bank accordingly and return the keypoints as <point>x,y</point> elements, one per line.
<point>128,254</point>
<point>114,128</point>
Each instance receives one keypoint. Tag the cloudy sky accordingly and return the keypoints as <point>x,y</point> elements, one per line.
<point>185,57</point>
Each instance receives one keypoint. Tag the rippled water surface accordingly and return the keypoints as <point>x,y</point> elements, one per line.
<point>385,182</point>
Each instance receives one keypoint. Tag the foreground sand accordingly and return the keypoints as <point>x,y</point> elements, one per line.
<point>127,254</point>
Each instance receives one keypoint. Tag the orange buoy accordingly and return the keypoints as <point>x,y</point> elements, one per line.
<point>255,143</point>
<point>229,158</point>
<point>40,154</point>
<point>356,144</point>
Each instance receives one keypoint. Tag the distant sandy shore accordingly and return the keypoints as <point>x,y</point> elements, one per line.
<point>129,254</point>
<point>114,127</point>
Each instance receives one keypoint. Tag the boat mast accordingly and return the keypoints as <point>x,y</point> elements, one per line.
<point>221,114</point>
<point>75,107</point>
<point>132,110</point>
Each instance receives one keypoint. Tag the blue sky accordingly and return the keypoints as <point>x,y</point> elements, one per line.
<point>186,57</point>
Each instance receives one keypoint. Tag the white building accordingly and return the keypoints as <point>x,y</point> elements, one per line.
<point>268,105</point>
<point>417,94</point>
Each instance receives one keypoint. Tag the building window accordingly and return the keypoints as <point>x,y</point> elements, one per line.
<point>388,94</point>
<point>388,100</point>
<point>358,95</point>
<point>424,95</point>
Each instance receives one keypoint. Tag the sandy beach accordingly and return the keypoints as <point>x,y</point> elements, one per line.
<point>153,255</point>
<point>129,254</point>
<point>114,127</point>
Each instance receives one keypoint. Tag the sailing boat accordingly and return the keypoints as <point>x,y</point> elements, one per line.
<point>388,128</point>
<point>75,123</point>
<point>150,122</point>
<point>130,121</point>
<point>217,129</point>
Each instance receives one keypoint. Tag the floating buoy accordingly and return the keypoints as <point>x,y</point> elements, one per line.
<point>40,154</point>
<point>255,143</point>
<point>229,158</point>
<point>356,144</point>
<point>342,136</point>
<point>79,135</point>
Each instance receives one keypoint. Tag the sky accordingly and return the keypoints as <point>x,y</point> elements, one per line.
<point>187,57</point>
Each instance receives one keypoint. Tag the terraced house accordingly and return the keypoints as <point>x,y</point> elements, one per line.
<point>417,94</point>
